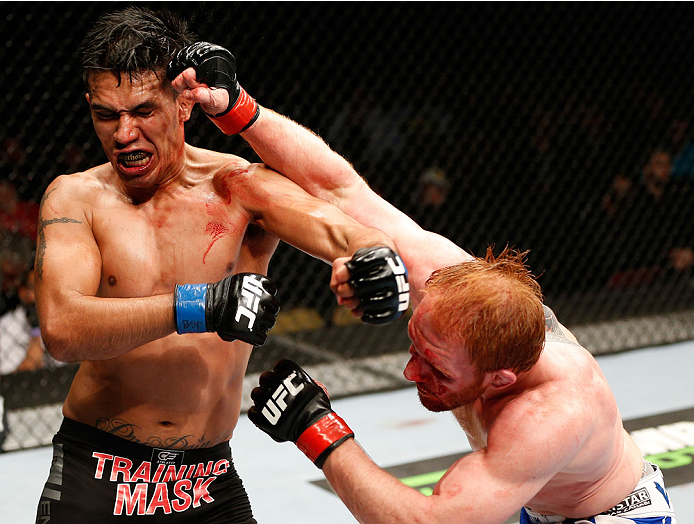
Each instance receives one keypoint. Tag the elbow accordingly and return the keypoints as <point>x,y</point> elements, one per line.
<point>58,349</point>
<point>57,341</point>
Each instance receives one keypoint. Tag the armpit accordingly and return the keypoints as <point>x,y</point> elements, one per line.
<point>259,242</point>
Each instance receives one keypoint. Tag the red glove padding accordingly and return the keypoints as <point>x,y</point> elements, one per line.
<point>289,405</point>
<point>240,116</point>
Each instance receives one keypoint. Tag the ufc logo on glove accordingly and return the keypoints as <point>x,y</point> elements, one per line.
<point>276,405</point>
<point>251,290</point>
<point>289,405</point>
<point>221,306</point>
<point>400,271</point>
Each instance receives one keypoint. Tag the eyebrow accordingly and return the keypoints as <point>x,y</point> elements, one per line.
<point>427,354</point>
<point>149,104</point>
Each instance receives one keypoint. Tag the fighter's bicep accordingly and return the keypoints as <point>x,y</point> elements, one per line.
<point>288,212</point>
<point>485,487</point>
<point>67,255</point>
<point>268,192</point>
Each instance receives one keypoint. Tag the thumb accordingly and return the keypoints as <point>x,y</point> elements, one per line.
<point>213,100</point>
<point>340,274</point>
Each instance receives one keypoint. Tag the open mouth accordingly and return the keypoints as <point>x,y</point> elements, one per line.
<point>134,159</point>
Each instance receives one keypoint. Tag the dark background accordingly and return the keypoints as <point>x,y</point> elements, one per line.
<point>538,122</point>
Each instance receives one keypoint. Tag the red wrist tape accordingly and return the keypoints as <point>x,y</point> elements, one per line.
<point>240,117</point>
<point>329,431</point>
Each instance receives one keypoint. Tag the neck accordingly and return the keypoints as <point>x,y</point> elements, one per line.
<point>171,176</point>
<point>513,383</point>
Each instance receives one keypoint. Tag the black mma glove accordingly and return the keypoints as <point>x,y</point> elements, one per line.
<point>379,278</point>
<point>288,405</point>
<point>242,307</point>
<point>216,67</point>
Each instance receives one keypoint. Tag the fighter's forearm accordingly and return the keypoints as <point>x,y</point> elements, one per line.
<point>94,328</point>
<point>372,495</point>
<point>300,155</point>
<point>336,241</point>
<point>306,159</point>
<point>368,237</point>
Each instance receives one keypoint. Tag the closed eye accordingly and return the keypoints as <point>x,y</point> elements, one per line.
<point>441,374</point>
<point>103,115</point>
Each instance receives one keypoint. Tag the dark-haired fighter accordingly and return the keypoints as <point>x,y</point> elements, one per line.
<point>150,273</point>
<point>544,426</point>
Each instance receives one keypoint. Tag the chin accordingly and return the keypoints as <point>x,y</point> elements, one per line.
<point>432,404</point>
<point>451,401</point>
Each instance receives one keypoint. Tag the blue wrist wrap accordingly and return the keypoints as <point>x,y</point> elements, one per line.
<point>190,308</point>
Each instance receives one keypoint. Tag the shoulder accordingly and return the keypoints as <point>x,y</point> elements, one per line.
<point>239,177</point>
<point>208,162</point>
<point>551,420</point>
<point>85,186</point>
<point>558,391</point>
<point>223,169</point>
<point>424,252</point>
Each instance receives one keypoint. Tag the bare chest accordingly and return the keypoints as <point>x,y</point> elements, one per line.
<point>146,249</point>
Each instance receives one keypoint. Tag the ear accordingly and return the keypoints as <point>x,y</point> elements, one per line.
<point>185,108</point>
<point>89,99</point>
<point>502,378</point>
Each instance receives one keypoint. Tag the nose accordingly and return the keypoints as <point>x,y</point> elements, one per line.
<point>126,132</point>
<point>412,369</point>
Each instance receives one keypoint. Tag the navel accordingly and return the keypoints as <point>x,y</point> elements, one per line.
<point>112,280</point>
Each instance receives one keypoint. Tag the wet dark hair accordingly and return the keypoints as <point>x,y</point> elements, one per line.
<point>133,41</point>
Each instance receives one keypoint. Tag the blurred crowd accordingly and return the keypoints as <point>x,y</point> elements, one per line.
<point>20,342</point>
<point>21,346</point>
<point>600,207</point>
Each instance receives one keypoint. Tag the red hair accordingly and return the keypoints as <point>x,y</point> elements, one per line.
<point>493,308</point>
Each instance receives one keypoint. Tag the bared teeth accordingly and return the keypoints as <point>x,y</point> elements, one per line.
<point>131,157</point>
<point>135,159</point>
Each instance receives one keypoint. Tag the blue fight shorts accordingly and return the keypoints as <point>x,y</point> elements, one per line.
<point>649,503</point>
<point>99,477</point>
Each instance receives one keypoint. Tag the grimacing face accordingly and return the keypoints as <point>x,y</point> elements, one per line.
<point>443,373</point>
<point>140,126</point>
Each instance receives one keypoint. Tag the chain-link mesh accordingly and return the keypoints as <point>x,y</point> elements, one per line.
<point>562,128</point>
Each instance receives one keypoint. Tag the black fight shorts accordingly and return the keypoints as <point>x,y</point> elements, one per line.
<point>98,477</point>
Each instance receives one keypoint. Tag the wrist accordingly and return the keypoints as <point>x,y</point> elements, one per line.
<point>323,437</point>
<point>189,308</point>
<point>238,117</point>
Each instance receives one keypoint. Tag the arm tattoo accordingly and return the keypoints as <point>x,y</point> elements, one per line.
<point>41,237</point>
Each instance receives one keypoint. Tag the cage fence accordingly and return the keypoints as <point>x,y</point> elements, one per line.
<point>564,129</point>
